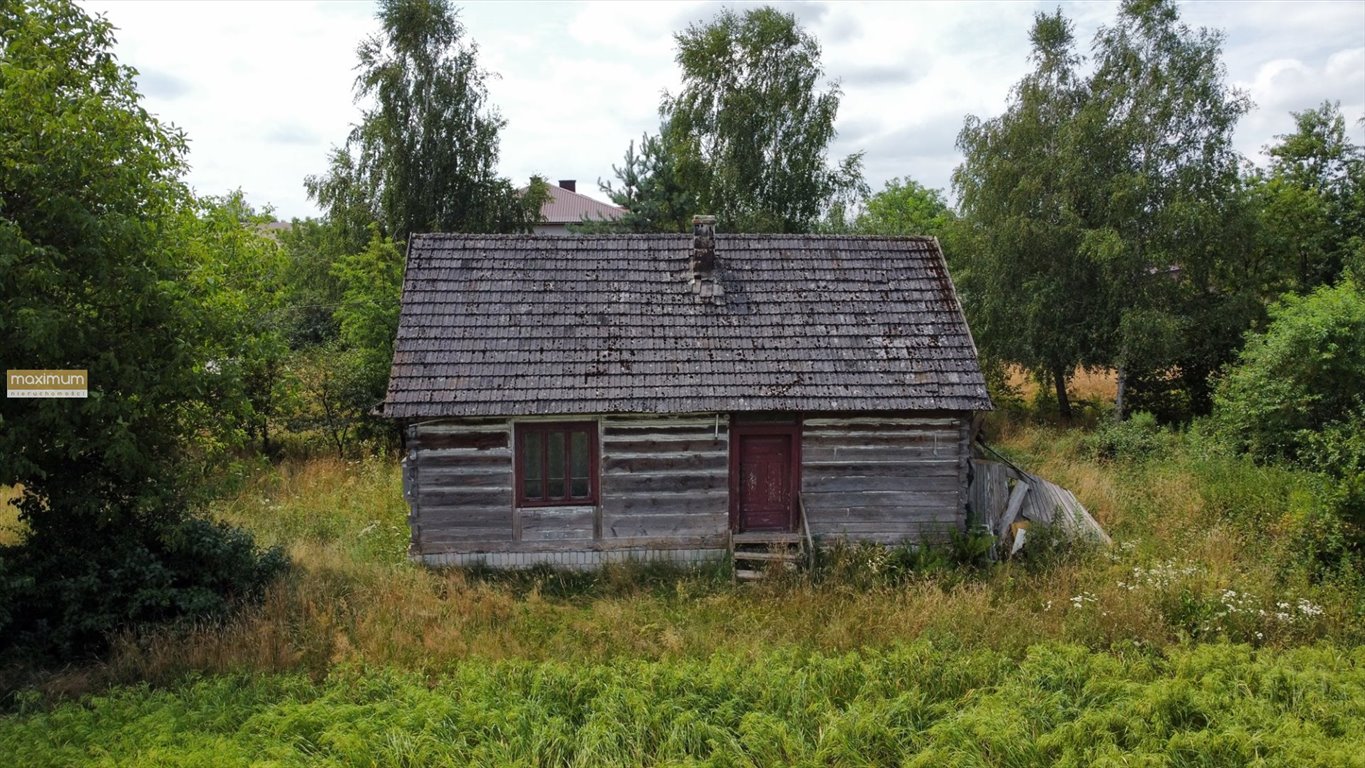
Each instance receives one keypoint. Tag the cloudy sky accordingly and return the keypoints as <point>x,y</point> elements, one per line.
<point>263,89</point>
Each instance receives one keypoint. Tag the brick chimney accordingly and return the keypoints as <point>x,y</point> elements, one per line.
<point>703,245</point>
<point>569,184</point>
<point>703,261</point>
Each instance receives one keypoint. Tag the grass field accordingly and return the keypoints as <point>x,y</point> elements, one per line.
<point>1210,634</point>
<point>921,704</point>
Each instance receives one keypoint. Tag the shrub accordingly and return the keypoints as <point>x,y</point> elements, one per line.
<point>63,601</point>
<point>1139,437</point>
<point>1338,451</point>
<point>1306,372</point>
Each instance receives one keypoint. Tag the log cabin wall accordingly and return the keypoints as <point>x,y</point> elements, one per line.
<point>884,478</point>
<point>664,488</point>
<point>665,481</point>
<point>458,481</point>
<point>663,494</point>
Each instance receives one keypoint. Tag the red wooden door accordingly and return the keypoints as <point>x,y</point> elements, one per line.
<point>764,476</point>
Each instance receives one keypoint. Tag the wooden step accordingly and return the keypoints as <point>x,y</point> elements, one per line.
<point>765,537</point>
<point>788,557</point>
<point>747,575</point>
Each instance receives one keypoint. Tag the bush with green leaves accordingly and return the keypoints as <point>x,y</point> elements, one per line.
<point>1135,438</point>
<point>67,602</point>
<point>1303,375</point>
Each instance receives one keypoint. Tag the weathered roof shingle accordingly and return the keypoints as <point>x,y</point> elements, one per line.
<point>519,325</point>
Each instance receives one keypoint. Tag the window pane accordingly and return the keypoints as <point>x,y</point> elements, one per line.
<point>555,467</point>
<point>533,485</point>
<point>578,464</point>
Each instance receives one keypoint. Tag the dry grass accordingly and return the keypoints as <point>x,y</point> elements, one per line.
<point>1100,384</point>
<point>355,599</point>
<point>11,529</point>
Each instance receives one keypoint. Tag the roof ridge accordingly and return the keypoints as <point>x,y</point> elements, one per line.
<point>669,235</point>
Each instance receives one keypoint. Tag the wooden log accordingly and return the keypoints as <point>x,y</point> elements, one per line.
<point>707,421</point>
<point>656,447</point>
<point>945,454</point>
<point>450,427</point>
<point>448,477</point>
<point>691,462</point>
<point>556,523</point>
<point>685,503</point>
<point>943,512</point>
<point>663,525</point>
<point>876,469</point>
<point>469,517</point>
<point>664,431</point>
<point>816,422</point>
<point>626,544</point>
<point>918,442</point>
<point>670,482</point>
<point>432,540</point>
<point>465,497</point>
<point>886,430</point>
<point>907,483</point>
<point>487,459</point>
<point>478,441</point>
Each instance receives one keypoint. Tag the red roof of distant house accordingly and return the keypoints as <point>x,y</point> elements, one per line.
<point>568,207</point>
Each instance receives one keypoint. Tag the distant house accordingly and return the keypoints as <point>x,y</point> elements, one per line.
<point>585,399</point>
<point>566,206</point>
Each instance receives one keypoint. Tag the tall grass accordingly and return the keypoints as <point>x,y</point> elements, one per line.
<point>11,529</point>
<point>918,703</point>
<point>1208,547</point>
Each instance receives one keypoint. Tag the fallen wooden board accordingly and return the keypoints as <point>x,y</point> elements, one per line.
<point>1052,504</point>
<point>1032,498</point>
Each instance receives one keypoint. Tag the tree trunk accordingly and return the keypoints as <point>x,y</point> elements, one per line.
<point>1120,392</point>
<point>1063,404</point>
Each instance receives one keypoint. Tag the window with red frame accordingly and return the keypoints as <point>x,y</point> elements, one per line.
<point>556,463</point>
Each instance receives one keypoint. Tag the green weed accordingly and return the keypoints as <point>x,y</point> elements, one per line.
<point>919,703</point>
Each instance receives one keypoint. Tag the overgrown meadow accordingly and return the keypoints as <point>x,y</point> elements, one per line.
<point>1214,628</point>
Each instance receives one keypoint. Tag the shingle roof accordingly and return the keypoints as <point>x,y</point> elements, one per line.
<point>506,325</point>
<point>565,207</point>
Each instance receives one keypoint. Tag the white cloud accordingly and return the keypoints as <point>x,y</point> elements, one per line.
<point>1282,86</point>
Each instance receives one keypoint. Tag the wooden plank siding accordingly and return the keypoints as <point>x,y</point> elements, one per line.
<point>664,484</point>
<point>665,478</point>
<point>460,474</point>
<point>884,478</point>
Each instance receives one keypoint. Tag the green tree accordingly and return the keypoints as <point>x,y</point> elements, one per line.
<point>335,395</point>
<point>905,207</point>
<point>1109,222</point>
<point>1312,200</point>
<point>1161,190</point>
<point>648,187</point>
<point>92,268</point>
<point>1031,294</point>
<point>424,155</point>
<point>311,246</point>
<point>372,286</point>
<point>238,282</point>
<point>749,131</point>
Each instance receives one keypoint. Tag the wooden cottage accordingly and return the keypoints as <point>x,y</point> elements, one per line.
<point>588,399</point>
